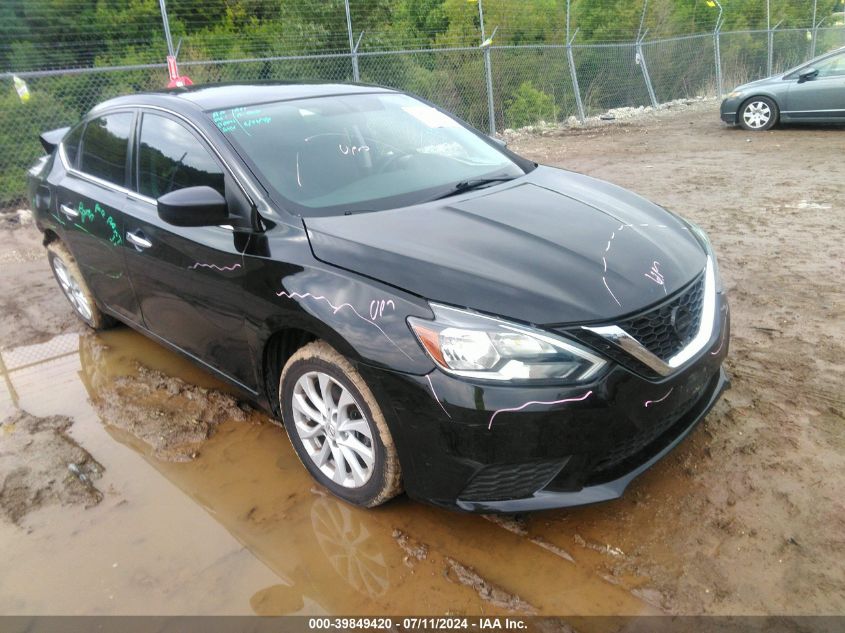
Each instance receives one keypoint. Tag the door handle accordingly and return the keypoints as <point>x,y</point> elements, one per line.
<point>138,240</point>
<point>69,212</point>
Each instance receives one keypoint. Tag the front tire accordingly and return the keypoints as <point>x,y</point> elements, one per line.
<point>758,114</point>
<point>76,291</point>
<point>337,428</point>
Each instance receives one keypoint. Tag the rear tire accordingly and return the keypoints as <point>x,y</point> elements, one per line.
<point>758,114</point>
<point>73,286</point>
<point>337,428</point>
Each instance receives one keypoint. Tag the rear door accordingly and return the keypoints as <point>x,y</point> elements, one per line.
<point>188,280</point>
<point>821,97</point>
<point>91,198</point>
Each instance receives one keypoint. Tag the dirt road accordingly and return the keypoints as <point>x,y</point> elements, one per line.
<point>746,516</point>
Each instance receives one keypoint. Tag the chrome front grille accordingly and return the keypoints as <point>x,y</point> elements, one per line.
<point>656,329</point>
<point>663,338</point>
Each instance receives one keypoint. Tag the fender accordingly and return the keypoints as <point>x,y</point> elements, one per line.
<point>363,319</point>
<point>761,93</point>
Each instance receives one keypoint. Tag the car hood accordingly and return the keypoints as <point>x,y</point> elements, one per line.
<point>548,248</point>
<point>758,82</point>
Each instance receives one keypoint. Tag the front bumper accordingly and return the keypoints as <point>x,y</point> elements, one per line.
<point>547,497</point>
<point>499,448</point>
<point>728,111</point>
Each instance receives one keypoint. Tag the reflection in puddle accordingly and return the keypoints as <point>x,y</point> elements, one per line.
<point>348,545</point>
<point>242,528</point>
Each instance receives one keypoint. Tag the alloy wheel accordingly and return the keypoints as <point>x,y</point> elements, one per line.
<point>757,114</point>
<point>72,289</point>
<point>333,428</point>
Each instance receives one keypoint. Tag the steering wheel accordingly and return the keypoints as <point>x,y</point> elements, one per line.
<point>391,161</point>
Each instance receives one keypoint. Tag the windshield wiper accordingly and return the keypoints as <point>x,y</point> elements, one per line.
<point>475,183</point>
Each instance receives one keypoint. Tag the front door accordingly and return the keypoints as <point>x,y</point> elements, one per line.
<point>822,96</point>
<point>188,280</point>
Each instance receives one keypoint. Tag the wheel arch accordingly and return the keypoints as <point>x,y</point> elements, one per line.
<point>50,236</point>
<point>283,342</point>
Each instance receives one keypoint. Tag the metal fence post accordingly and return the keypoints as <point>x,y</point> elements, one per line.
<point>572,72</point>
<point>490,105</point>
<point>771,52</point>
<point>815,33</point>
<point>166,22</point>
<point>488,70</point>
<point>353,49</point>
<point>717,49</point>
<point>771,42</point>
<point>641,61</point>
<point>772,46</point>
<point>641,56</point>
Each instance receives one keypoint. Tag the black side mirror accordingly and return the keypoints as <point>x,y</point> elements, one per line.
<point>193,206</point>
<point>807,74</point>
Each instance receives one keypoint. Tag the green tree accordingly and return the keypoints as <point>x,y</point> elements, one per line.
<point>20,125</point>
<point>529,106</point>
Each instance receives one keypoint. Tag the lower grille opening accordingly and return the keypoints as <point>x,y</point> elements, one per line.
<point>510,481</point>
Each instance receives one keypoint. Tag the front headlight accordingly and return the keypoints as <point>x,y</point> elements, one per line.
<point>473,345</point>
<point>735,94</point>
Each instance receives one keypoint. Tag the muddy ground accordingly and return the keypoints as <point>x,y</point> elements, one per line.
<point>63,472</point>
<point>30,311</point>
<point>205,509</point>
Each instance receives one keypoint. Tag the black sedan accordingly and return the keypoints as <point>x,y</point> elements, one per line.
<point>423,308</point>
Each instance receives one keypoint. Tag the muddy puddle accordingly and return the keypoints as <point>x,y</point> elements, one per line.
<point>240,527</point>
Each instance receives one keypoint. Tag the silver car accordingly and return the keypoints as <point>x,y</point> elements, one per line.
<point>811,93</point>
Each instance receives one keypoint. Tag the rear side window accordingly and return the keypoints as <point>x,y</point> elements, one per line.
<point>170,157</point>
<point>104,147</point>
<point>71,143</point>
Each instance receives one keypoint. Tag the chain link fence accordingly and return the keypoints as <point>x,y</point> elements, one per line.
<point>527,84</point>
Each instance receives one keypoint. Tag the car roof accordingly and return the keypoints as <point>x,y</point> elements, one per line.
<point>230,95</point>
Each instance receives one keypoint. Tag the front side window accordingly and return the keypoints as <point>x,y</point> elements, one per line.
<point>833,67</point>
<point>105,143</point>
<point>170,158</point>
<point>362,152</point>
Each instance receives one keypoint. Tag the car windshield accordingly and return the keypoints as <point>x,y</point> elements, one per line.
<point>362,152</point>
